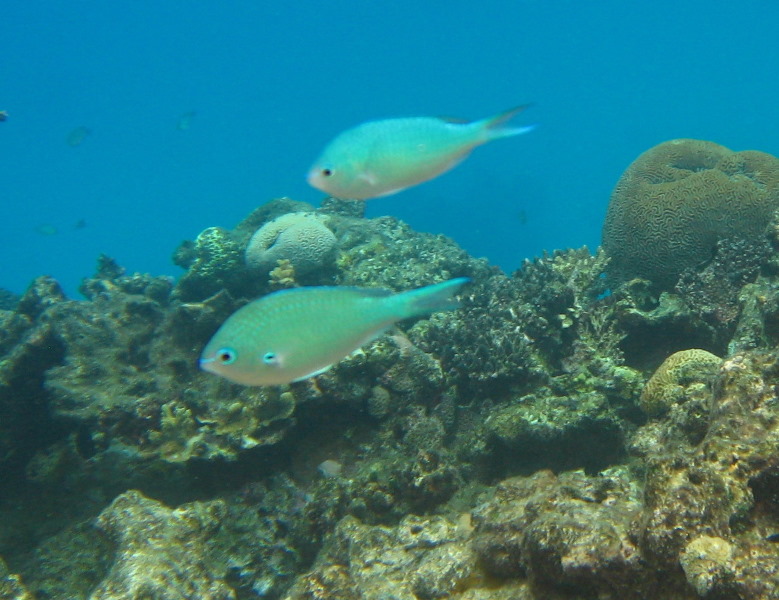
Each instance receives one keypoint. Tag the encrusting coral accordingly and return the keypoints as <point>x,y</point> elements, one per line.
<point>677,200</point>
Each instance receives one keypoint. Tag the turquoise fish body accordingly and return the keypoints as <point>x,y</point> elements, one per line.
<point>295,334</point>
<point>380,158</point>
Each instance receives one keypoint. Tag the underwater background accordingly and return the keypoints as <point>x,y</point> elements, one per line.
<point>132,126</point>
<point>566,386</point>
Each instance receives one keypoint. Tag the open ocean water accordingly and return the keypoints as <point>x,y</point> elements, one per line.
<point>133,126</point>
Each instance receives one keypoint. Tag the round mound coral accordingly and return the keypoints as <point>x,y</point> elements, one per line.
<point>671,382</point>
<point>677,200</point>
<point>299,237</point>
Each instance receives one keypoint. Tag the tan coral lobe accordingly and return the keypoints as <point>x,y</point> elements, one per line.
<point>668,384</point>
<point>677,200</point>
<point>299,237</point>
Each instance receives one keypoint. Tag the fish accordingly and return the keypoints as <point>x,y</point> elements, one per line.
<point>294,334</point>
<point>380,158</point>
<point>46,229</point>
<point>77,136</point>
<point>185,121</point>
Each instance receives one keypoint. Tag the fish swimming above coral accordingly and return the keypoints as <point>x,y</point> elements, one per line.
<point>379,158</point>
<point>295,334</point>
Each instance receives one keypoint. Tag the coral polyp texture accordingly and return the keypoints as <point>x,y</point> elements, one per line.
<point>676,201</point>
<point>301,238</point>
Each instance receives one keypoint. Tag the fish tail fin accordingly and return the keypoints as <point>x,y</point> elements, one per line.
<point>431,298</point>
<point>495,127</point>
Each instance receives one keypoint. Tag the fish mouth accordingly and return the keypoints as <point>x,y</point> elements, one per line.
<point>206,364</point>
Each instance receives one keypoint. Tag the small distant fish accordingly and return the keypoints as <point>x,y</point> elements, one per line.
<point>46,229</point>
<point>522,217</point>
<point>80,224</point>
<point>3,115</point>
<point>380,158</point>
<point>78,135</point>
<point>185,121</point>
<point>295,334</point>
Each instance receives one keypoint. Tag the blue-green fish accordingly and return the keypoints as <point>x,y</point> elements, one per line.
<point>295,334</point>
<point>380,158</point>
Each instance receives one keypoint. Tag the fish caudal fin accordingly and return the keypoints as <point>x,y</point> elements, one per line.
<point>431,298</point>
<point>495,127</point>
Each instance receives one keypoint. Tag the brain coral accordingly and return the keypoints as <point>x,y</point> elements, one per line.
<point>677,200</point>
<point>669,384</point>
<point>299,237</point>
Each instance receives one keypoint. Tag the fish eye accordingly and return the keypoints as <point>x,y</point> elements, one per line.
<point>270,358</point>
<point>327,172</point>
<point>226,356</point>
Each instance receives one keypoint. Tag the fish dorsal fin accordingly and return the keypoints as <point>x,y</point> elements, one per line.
<point>370,292</point>
<point>454,120</point>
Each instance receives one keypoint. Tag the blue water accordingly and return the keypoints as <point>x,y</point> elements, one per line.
<point>271,82</point>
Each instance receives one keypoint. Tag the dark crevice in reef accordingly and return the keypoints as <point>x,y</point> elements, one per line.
<point>593,448</point>
<point>313,431</point>
<point>25,405</point>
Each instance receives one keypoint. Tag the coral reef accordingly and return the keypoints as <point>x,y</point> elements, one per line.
<point>213,263</point>
<point>244,545</point>
<point>139,345</point>
<point>677,200</point>
<point>11,586</point>
<point>569,532</point>
<point>159,551</point>
<point>419,558</point>
<point>8,299</point>
<point>516,448</point>
<point>678,378</point>
<point>707,563</point>
<point>301,238</point>
<point>722,487</point>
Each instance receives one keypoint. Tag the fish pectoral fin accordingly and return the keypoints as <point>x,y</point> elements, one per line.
<point>390,192</point>
<point>368,178</point>
<point>314,373</point>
